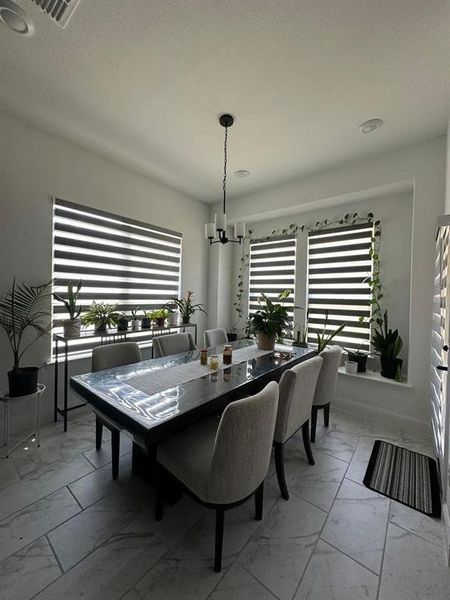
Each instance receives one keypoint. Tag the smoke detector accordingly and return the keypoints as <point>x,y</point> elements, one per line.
<point>15,18</point>
<point>242,173</point>
<point>371,125</point>
<point>59,11</point>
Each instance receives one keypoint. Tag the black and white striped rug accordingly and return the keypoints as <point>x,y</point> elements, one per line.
<point>406,476</point>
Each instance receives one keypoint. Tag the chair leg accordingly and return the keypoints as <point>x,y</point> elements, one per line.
<point>159,496</point>
<point>220,517</point>
<point>313,423</point>
<point>259,500</point>
<point>279,464</point>
<point>306,442</point>
<point>98,433</point>
<point>326,415</point>
<point>115,451</point>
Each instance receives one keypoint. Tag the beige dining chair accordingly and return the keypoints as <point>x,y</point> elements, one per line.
<point>108,357</point>
<point>297,386</point>
<point>174,343</point>
<point>222,463</point>
<point>215,337</point>
<point>326,386</point>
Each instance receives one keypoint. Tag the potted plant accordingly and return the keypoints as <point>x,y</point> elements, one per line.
<point>187,308</point>
<point>135,321</point>
<point>388,344</point>
<point>24,309</point>
<point>122,322</point>
<point>358,357</point>
<point>324,338</point>
<point>159,316</point>
<point>172,317</point>
<point>146,321</point>
<point>270,322</point>
<point>301,335</point>
<point>101,316</point>
<point>72,325</point>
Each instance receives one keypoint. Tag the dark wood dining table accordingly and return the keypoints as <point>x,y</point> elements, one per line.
<point>119,394</point>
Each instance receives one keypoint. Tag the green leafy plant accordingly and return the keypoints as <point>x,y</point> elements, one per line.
<point>272,318</point>
<point>25,308</point>
<point>160,313</point>
<point>324,338</point>
<point>187,307</point>
<point>101,315</point>
<point>71,301</point>
<point>386,342</point>
<point>301,330</point>
<point>134,313</point>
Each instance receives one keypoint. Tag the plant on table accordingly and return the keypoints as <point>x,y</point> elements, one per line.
<point>388,344</point>
<point>72,325</point>
<point>101,316</point>
<point>25,309</point>
<point>270,321</point>
<point>187,308</point>
<point>159,316</point>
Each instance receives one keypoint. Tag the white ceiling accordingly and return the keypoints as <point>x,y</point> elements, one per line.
<point>143,82</point>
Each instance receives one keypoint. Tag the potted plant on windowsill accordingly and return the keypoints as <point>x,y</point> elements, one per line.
<point>324,337</point>
<point>187,308</point>
<point>101,316</point>
<point>388,344</point>
<point>135,321</point>
<point>159,316</point>
<point>270,321</point>
<point>24,309</point>
<point>122,323</point>
<point>301,335</point>
<point>146,321</point>
<point>358,357</point>
<point>72,325</point>
<point>172,317</point>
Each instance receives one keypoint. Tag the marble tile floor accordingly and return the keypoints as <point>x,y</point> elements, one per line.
<point>68,531</point>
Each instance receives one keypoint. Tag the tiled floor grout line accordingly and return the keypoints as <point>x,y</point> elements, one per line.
<point>415,534</point>
<point>74,497</point>
<point>56,556</point>
<point>384,549</point>
<point>272,593</point>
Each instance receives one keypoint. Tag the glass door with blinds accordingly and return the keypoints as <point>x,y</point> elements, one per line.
<point>272,270</point>
<point>120,261</point>
<point>339,265</point>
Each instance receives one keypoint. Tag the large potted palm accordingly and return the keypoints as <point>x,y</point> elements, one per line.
<point>270,321</point>
<point>25,310</point>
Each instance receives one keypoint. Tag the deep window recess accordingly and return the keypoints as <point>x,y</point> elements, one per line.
<point>120,261</point>
<point>339,265</point>
<point>272,270</point>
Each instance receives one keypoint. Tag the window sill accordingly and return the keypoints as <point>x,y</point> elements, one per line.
<point>376,377</point>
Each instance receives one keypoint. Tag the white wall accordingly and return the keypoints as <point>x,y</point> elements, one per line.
<point>34,166</point>
<point>421,168</point>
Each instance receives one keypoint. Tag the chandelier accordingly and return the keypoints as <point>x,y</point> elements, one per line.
<point>217,232</point>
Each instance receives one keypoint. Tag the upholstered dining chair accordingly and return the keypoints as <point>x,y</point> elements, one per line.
<point>297,386</point>
<point>215,337</point>
<point>174,343</point>
<point>222,463</point>
<point>326,386</point>
<point>108,357</point>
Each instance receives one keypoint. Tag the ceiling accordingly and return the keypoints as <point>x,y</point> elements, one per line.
<point>144,81</point>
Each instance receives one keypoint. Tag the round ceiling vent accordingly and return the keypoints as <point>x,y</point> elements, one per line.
<point>242,173</point>
<point>15,18</point>
<point>371,125</point>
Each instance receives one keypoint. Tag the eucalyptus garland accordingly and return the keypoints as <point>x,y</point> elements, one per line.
<point>374,282</point>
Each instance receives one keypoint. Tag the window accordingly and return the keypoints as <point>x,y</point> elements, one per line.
<point>339,263</point>
<point>272,270</point>
<point>121,261</point>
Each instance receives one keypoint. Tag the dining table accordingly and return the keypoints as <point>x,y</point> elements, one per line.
<point>153,399</point>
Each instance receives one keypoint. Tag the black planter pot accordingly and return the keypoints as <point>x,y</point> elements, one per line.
<point>360,359</point>
<point>185,321</point>
<point>232,337</point>
<point>146,323</point>
<point>390,366</point>
<point>122,325</point>
<point>101,328</point>
<point>23,381</point>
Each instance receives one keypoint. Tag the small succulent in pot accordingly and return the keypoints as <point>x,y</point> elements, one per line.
<point>135,320</point>
<point>388,344</point>
<point>359,357</point>
<point>270,321</point>
<point>122,322</point>
<point>187,307</point>
<point>101,316</point>
<point>72,325</point>
<point>159,316</point>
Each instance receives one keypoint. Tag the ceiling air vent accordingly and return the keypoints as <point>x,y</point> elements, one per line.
<point>59,11</point>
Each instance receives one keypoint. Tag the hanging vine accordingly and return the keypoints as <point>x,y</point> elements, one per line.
<point>374,282</point>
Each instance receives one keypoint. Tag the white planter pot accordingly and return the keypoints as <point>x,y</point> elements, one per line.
<point>72,327</point>
<point>351,367</point>
<point>135,325</point>
<point>172,319</point>
<point>265,341</point>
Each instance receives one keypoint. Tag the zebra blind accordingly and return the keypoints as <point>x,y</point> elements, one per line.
<point>339,264</point>
<point>120,261</point>
<point>271,271</point>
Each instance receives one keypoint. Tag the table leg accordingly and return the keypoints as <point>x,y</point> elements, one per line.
<point>55,408</point>
<point>66,383</point>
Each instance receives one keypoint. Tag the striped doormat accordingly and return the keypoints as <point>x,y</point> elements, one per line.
<point>408,477</point>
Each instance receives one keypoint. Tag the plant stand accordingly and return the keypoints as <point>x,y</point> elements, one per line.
<point>6,399</point>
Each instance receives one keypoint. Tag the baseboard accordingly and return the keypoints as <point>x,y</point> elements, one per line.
<point>369,408</point>
<point>446,522</point>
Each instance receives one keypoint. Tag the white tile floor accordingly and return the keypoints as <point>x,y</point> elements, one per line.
<point>68,531</point>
